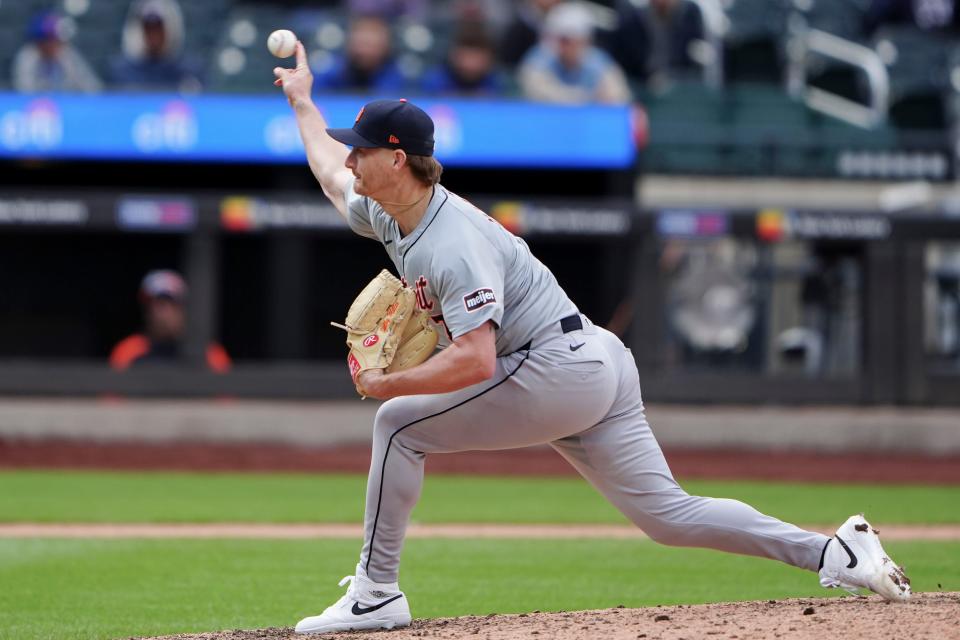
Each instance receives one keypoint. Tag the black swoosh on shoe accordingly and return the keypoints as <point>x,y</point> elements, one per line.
<point>853,558</point>
<point>357,610</point>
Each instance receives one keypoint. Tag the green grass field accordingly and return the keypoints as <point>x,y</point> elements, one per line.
<point>118,588</point>
<point>50,496</point>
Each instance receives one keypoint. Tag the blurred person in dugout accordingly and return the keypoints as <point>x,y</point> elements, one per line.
<point>565,67</point>
<point>523,32</point>
<point>367,63</point>
<point>163,296</point>
<point>470,66</point>
<point>153,58</point>
<point>657,40</point>
<point>48,63</point>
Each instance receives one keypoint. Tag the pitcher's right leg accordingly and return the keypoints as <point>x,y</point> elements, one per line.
<point>620,456</point>
<point>622,459</point>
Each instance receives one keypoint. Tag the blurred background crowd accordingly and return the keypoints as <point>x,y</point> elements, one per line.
<point>550,50</point>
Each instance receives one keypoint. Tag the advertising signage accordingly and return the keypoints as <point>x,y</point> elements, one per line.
<point>262,129</point>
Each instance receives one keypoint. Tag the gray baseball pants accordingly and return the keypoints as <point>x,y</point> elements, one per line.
<point>585,402</point>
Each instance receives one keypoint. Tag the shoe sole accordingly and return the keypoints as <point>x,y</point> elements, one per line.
<point>889,581</point>
<point>365,625</point>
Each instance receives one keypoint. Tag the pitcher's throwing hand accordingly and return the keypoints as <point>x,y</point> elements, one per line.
<point>297,82</point>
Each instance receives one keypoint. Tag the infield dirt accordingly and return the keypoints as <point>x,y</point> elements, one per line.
<point>927,615</point>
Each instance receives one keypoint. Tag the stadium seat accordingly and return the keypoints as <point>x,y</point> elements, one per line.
<point>770,128</point>
<point>753,44</point>
<point>919,66</point>
<point>687,129</point>
<point>843,18</point>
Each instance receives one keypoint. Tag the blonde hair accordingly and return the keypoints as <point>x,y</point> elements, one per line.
<point>426,169</point>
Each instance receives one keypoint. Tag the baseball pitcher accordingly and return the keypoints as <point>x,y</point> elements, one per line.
<point>518,365</point>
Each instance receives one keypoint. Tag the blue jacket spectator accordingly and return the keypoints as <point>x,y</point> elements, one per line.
<point>566,68</point>
<point>367,65</point>
<point>470,67</point>
<point>152,46</point>
<point>48,63</point>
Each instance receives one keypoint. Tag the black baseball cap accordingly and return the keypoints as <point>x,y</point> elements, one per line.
<point>389,124</point>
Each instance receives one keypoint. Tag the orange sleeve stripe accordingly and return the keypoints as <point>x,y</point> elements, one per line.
<point>127,351</point>
<point>217,358</point>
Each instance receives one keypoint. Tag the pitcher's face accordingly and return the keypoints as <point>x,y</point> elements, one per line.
<point>374,170</point>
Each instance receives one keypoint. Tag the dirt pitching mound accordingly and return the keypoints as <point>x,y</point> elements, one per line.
<point>928,615</point>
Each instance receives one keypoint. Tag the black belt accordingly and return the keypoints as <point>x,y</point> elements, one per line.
<point>568,324</point>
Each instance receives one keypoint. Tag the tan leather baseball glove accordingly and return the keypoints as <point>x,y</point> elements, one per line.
<point>385,329</point>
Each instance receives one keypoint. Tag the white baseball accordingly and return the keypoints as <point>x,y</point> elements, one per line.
<point>282,43</point>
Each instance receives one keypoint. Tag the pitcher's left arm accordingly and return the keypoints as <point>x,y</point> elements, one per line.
<point>470,358</point>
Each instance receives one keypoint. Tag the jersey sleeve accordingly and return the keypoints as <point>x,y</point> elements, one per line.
<point>359,213</point>
<point>471,288</point>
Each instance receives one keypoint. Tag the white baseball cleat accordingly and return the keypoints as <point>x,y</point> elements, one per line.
<point>365,605</point>
<point>854,559</point>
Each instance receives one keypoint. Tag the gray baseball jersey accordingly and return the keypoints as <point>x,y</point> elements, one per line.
<point>466,269</point>
<point>570,384</point>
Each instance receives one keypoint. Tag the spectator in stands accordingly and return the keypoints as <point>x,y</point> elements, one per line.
<point>654,40</point>
<point>368,63</point>
<point>153,50</point>
<point>565,67</point>
<point>48,63</point>
<point>470,67</point>
<point>524,32</point>
<point>929,15</point>
<point>163,297</point>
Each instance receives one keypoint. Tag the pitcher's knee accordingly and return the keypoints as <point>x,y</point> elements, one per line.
<point>390,417</point>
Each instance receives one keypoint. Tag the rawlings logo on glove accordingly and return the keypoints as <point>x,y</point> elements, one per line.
<point>385,330</point>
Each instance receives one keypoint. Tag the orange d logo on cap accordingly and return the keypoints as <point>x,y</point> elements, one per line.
<point>359,114</point>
